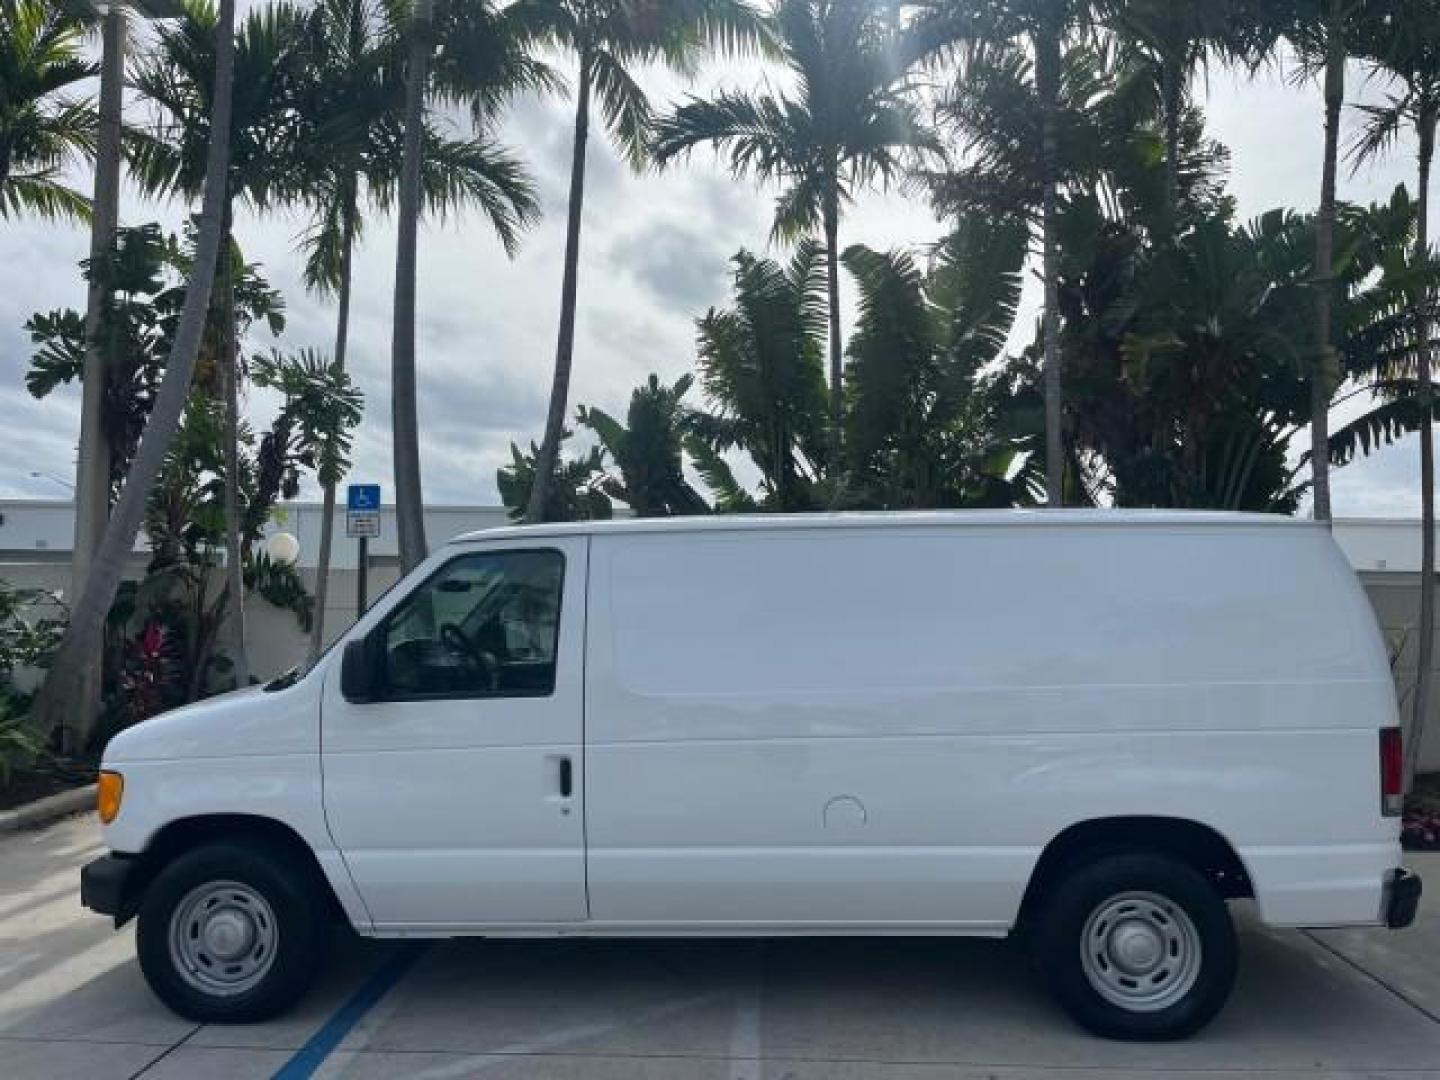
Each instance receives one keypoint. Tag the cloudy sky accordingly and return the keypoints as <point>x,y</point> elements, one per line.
<point>654,256</point>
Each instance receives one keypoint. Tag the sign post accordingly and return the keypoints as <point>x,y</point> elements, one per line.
<point>362,521</point>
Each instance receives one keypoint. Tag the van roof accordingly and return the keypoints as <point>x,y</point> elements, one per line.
<point>1034,519</point>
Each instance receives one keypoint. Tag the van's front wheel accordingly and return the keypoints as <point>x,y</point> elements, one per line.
<point>229,932</point>
<point>1137,946</point>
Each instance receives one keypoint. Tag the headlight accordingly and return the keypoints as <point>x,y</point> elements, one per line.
<point>108,792</point>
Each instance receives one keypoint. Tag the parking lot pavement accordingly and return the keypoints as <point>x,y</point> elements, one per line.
<point>1348,1004</point>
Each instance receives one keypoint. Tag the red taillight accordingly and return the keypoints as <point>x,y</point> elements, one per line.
<point>1392,771</point>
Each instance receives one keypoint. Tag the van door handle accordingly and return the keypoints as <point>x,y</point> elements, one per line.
<point>567,784</point>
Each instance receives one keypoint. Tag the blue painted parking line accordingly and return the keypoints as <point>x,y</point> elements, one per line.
<point>322,1044</point>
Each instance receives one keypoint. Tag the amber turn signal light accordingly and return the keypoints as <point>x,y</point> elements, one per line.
<point>108,792</point>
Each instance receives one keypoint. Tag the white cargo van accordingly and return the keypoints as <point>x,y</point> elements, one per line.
<point>1090,728</point>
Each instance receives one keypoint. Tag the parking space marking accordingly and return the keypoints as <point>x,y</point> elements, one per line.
<point>746,1062</point>
<point>1394,991</point>
<point>322,1044</point>
<point>165,1053</point>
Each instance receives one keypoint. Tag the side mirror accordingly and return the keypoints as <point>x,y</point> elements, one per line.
<point>359,679</point>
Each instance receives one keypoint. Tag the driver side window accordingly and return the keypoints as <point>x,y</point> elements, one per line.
<point>485,625</point>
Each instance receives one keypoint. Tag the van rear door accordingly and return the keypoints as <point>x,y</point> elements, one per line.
<point>456,795</point>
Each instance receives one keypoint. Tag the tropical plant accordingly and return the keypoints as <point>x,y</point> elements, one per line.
<point>485,61</point>
<point>648,450</point>
<point>42,128</point>
<point>186,518</point>
<point>926,426</point>
<point>59,705</point>
<point>143,278</point>
<point>576,491</point>
<point>1191,360</point>
<point>1029,39</point>
<point>761,366</point>
<point>31,622</point>
<point>847,125</point>
<point>19,743</point>
<point>609,39</point>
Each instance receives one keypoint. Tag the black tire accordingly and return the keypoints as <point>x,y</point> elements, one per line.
<point>1059,929</point>
<point>298,928</point>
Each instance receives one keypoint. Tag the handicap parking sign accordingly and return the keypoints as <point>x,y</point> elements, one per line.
<point>363,498</point>
<point>362,511</point>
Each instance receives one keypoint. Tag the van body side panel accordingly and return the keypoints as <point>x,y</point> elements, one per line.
<point>884,728</point>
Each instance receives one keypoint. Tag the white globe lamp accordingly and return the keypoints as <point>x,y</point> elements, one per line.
<point>283,548</point>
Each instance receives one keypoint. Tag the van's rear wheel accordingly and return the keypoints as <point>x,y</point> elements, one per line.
<point>1137,946</point>
<point>230,932</point>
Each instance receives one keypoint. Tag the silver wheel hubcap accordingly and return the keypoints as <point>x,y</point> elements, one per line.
<point>1140,951</point>
<point>223,938</point>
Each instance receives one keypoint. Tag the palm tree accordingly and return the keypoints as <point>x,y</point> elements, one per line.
<point>354,111</point>
<point>59,705</point>
<point>847,125</point>
<point>648,449</point>
<point>405,428</point>
<point>763,373</point>
<point>1166,42</point>
<point>92,459</point>
<point>1039,28</point>
<point>41,129</point>
<point>1401,42</point>
<point>485,62</point>
<point>1320,34</point>
<point>609,38</point>
<point>349,86</point>
<point>265,170</point>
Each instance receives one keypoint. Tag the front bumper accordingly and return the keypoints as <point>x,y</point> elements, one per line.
<point>108,886</point>
<point>1402,898</point>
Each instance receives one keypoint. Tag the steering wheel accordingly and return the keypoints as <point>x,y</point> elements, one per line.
<point>484,663</point>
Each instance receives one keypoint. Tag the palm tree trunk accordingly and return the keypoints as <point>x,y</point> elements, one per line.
<point>831,216</point>
<point>56,704</point>
<point>1426,650</point>
<point>327,514</point>
<point>409,499</point>
<point>92,466</point>
<point>565,346</point>
<point>230,378</point>
<point>1173,90</point>
<point>1322,378</point>
<point>1047,79</point>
